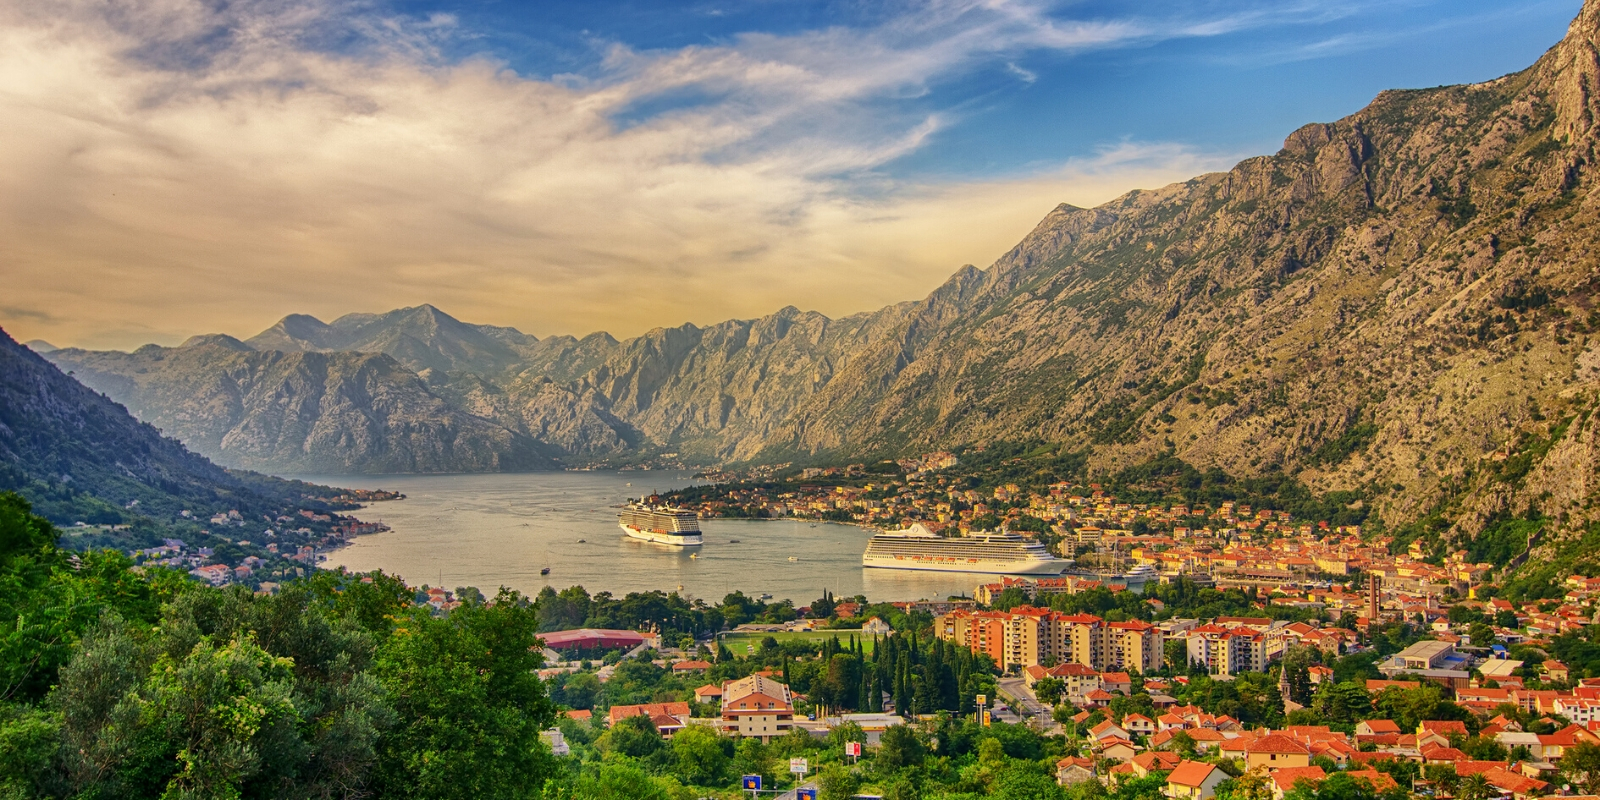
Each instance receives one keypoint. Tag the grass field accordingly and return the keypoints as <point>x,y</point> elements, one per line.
<point>738,641</point>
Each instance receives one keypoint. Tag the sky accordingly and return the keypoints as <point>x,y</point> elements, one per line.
<point>173,167</point>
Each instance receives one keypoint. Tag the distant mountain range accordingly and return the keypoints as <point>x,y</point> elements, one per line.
<point>79,456</point>
<point>1395,304</point>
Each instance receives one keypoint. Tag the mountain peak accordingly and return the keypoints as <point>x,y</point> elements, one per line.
<point>1575,68</point>
<point>216,340</point>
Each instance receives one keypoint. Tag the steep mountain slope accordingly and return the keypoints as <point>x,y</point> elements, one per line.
<point>300,412</point>
<point>79,456</point>
<point>719,392</point>
<point>1387,302</point>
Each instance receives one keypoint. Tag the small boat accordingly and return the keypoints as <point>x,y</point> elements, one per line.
<point>792,558</point>
<point>581,541</point>
<point>733,541</point>
<point>694,555</point>
<point>545,571</point>
<point>765,596</point>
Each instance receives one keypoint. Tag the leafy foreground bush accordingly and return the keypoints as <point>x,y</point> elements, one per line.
<point>116,684</point>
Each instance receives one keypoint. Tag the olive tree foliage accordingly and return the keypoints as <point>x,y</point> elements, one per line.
<point>470,704</point>
<point>231,696</point>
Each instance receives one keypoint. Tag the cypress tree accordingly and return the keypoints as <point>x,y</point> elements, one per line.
<point>902,693</point>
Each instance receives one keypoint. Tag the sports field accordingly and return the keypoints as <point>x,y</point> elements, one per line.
<point>737,641</point>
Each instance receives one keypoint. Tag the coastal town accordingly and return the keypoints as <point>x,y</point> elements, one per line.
<point>1273,703</point>
<point>260,554</point>
<point>1194,649</point>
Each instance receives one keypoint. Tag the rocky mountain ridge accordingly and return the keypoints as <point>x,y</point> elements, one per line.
<point>1397,304</point>
<point>79,456</point>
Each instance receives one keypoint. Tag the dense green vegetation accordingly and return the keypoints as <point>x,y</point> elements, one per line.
<point>120,684</point>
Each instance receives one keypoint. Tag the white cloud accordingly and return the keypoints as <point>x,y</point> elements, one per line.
<point>171,166</point>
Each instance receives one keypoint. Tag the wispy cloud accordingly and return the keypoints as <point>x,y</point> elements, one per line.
<point>189,166</point>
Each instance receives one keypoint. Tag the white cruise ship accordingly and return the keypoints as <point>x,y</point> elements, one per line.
<point>678,527</point>
<point>998,553</point>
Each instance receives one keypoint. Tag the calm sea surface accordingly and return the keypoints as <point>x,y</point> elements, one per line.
<point>500,530</point>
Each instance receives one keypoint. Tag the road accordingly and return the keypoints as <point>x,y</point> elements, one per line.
<point>1024,702</point>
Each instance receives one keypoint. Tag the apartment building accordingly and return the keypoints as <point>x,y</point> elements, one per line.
<point>1228,651</point>
<point>758,707</point>
<point>1027,636</point>
<point>1132,645</point>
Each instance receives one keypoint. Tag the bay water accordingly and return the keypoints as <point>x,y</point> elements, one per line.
<point>499,530</point>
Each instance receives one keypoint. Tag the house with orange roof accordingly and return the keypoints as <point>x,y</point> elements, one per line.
<point>1193,780</point>
<point>1439,731</point>
<point>1376,727</point>
<point>1154,761</point>
<point>1170,721</point>
<point>1107,730</point>
<point>1098,698</point>
<point>1555,745</point>
<point>1519,787</point>
<point>1284,780</point>
<point>1206,739</point>
<point>1119,682</point>
<point>1073,770</point>
<point>757,707</point>
<point>1336,750</point>
<point>1276,751</point>
<point>1138,724</point>
<point>1116,749</point>
<point>669,718</point>
<point>1379,781</point>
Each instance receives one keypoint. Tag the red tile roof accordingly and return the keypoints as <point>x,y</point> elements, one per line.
<point>1287,777</point>
<point>1276,743</point>
<point>1191,773</point>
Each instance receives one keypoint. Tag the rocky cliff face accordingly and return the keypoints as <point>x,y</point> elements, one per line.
<point>1389,302</point>
<point>1400,302</point>
<point>299,412</point>
<point>79,456</point>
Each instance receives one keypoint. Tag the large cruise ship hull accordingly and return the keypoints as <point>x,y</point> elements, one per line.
<point>991,567</point>
<point>673,539</point>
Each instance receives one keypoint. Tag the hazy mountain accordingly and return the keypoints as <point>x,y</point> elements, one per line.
<point>40,346</point>
<point>79,456</point>
<point>300,412</point>
<point>421,338</point>
<point>1401,302</point>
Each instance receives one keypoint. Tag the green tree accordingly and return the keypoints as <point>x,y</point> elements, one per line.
<point>228,707</point>
<point>698,756</point>
<point>581,690</point>
<point>837,782</point>
<point>1049,690</point>
<point>1024,780</point>
<point>1341,702</point>
<point>1474,787</point>
<point>29,740</point>
<point>50,601</point>
<point>899,747</point>
<point>469,702</point>
<point>1580,765</point>
<point>609,781</point>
